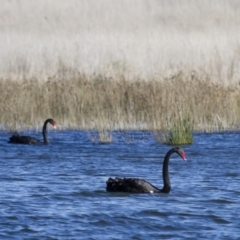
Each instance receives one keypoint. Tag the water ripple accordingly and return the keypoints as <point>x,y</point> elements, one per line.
<point>58,191</point>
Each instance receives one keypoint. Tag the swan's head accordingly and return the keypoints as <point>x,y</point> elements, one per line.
<point>53,123</point>
<point>181,153</point>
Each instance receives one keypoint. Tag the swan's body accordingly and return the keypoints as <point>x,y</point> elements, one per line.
<point>135,185</point>
<point>30,140</point>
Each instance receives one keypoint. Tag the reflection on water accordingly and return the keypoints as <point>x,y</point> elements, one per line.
<point>58,191</point>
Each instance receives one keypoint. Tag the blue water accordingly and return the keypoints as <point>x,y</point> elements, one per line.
<point>58,191</point>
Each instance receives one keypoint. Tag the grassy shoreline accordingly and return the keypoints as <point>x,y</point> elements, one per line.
<point>96,102</point>
<point>171,67</point>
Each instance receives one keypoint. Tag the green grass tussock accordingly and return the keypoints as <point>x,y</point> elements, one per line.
<point>181,132</point>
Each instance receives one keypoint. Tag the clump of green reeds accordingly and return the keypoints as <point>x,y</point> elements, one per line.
<point>177,132</point>
<point>180,132</point>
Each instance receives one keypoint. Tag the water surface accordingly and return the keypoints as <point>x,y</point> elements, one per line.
<point>58,191</point>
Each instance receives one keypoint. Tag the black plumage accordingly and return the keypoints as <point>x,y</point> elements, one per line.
<point>135,185</point>
<point>30,140</point>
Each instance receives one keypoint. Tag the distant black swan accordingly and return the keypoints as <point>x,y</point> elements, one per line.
<point>135,185</point>
<point>31,140</point>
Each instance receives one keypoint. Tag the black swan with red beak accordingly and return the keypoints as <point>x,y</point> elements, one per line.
<point>135,185</point>
<point>30,140</point>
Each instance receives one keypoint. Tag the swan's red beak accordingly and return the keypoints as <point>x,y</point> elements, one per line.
<point>54,125</point>
<point>183,155</point>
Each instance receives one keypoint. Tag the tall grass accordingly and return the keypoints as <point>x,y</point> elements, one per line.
<point>181,132</point>
<point>105,104</point>
<point>178,132</point>
<point>112,64</point>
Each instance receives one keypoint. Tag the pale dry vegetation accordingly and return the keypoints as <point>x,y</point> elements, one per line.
<point>113,64</point>
<point>135,39</point>
<point>107,104</point>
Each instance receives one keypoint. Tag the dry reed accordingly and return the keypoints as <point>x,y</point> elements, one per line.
<point>105,104</point>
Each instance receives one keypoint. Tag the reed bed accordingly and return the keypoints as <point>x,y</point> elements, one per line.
<point>109,104</point>
<point>118,65</point>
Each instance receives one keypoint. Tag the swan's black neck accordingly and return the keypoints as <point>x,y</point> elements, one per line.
<point>166,181</point>
<point>44,132</point>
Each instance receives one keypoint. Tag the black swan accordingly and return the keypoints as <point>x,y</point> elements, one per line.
<point>135,185</point>
<point>31,140</point>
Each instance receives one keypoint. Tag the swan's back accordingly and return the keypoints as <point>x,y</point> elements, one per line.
<point>133,185</point>
<point>23,140</point>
